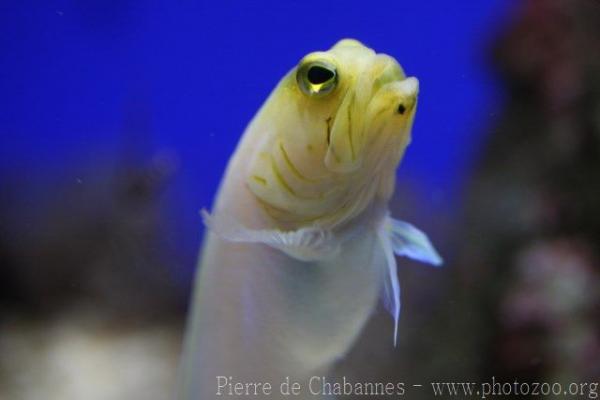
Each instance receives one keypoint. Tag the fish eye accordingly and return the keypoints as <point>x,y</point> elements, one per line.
<point>317,78</point>
<point>401,109</point>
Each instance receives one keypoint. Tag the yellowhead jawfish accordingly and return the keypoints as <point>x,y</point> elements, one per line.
<point>300,241</point>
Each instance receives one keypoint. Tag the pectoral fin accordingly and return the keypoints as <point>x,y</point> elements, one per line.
<point>390,293</point>
<point>403,239</point>
<point>305,244</point>
<point>408,241</point>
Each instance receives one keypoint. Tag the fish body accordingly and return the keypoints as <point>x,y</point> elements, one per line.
<point>300,242</point>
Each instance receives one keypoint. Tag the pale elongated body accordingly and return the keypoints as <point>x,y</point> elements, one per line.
<point>284,291</point>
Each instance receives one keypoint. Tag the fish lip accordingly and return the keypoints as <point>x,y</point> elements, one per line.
<point>410,86</point>
<point>408,90</point>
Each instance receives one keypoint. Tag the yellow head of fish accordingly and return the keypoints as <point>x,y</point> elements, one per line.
<point>331,136</point>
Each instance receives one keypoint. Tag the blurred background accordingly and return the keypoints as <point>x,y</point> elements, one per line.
<point>117,119</point>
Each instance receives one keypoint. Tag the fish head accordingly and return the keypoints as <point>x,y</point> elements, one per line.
<point>365,99</point>
<point>340,122</point>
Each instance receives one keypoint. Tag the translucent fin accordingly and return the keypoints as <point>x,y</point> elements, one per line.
<point>391,284</point>
<point>305,244</point>
<point>411,242</point>
<point>403,239</point>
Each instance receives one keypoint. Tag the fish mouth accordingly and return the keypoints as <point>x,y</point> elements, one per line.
<point>376,96</point>
<point>407,91</point>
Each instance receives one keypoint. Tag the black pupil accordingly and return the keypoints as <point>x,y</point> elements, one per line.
<point>401,109</point>
<point>317,75</point>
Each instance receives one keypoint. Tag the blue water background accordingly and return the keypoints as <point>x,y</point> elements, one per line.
<point>82,80</point>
